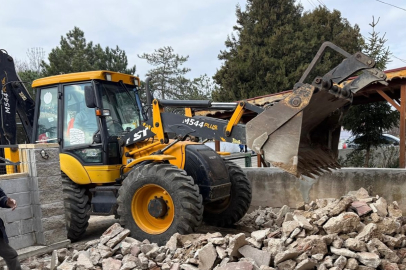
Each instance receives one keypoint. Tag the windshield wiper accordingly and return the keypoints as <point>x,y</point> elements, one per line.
<point>126,89</point>
<point>134,99</point>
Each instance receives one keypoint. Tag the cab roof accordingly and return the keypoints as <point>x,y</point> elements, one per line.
<point>86,76</point>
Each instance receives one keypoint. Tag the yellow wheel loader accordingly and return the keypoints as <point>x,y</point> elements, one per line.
<point>121,157</point>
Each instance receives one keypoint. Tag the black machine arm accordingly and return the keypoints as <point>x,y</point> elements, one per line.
<point>352,64</point>
<point>182,126</point>
<point>299,133</point>
<point>204,127</point>
<point>14,99</point>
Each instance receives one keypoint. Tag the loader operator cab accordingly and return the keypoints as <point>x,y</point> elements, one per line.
<point>88,133</point>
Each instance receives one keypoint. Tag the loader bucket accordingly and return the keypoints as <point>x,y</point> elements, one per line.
<point>299,134</point>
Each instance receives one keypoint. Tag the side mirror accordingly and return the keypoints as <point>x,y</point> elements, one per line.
<point>90,97</point>
<point>396,143</point>
<point>97,138</point>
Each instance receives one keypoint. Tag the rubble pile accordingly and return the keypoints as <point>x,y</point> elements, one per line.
<point>356,231</point>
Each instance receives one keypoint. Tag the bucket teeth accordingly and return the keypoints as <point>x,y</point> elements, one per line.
<point>316,172</point>
<point>328,169</point>
<point>305,142</point>
<point>315,162</point>
<point>320,170</point>
<point>308,174</point>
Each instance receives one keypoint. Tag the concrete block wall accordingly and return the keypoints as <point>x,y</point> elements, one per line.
<point>274,187</point>
<point>45,177</point>
<point>39,218</point>
<point>20,222</point>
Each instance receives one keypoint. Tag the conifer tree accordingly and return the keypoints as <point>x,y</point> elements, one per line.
<point>273,45</point>
<point>367,122</point>
<point>318,26</point>
<point>169,76</point>
<point>261,52</point>
<point>75,54</point>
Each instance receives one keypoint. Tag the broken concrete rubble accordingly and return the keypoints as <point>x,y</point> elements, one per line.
<point>336,234</point>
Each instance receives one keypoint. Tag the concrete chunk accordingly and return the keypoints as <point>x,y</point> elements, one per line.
<point>340,262</point>
<point>237,265</point>
<point>286,255</point>
<point>355,244</point>
<point>369,259</point>
<point>84,260</point>
<point>289,226</point>
<point>235,243</point>
<point>207,257</point>
<point>280,217</point>
<point>118,238</point>
<point>287,265</point>
<point>381,206</point>
<point>383,250</point>
<point>345,222</point>
<point>260,235</point>
<point>394,211</point>
<point>343,252</point>
<point>260,257</point>
<point>303,222</point>
<point>111,232</point>
<point>111,264</point>
<point>172,243</point>
<point>366,232</point>
<point>341,206</point>
<point>351,264</point>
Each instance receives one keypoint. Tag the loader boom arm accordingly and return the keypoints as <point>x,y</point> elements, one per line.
<point>14,98</point>
<point>298,134</point>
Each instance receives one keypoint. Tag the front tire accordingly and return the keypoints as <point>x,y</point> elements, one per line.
<point>227,212</point>
<point>176,195</point>
<point>77,206</point>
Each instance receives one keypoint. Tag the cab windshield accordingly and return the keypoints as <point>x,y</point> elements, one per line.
<point>123,102</point>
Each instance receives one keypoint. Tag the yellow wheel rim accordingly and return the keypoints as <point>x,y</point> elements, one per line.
<point>141,215</point>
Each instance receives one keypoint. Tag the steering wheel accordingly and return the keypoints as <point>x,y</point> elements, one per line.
<point>114,126</point>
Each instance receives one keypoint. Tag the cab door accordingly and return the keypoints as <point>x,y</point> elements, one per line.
<point>81,153</point>
<point>79,125</point>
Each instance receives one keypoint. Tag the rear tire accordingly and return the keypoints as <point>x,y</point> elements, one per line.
<point>77,206</point>
<point>227,212</point>
<point>153,181</point>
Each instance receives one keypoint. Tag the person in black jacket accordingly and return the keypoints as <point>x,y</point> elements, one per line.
<point>6,251</point>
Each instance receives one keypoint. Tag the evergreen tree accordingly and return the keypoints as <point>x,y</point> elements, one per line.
<point>168,79</point>
<point>77,55</point>
<point>322,25</point>
<point>261,53</point>
<point>116,60</point>
<point>273,45</point>
<point>196,89</point>
<point>367,122</point>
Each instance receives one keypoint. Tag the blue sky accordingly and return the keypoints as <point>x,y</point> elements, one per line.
<point>194,28</point>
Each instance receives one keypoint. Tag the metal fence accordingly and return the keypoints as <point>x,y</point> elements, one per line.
<point>243,160</point>
<point>247,160</point>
